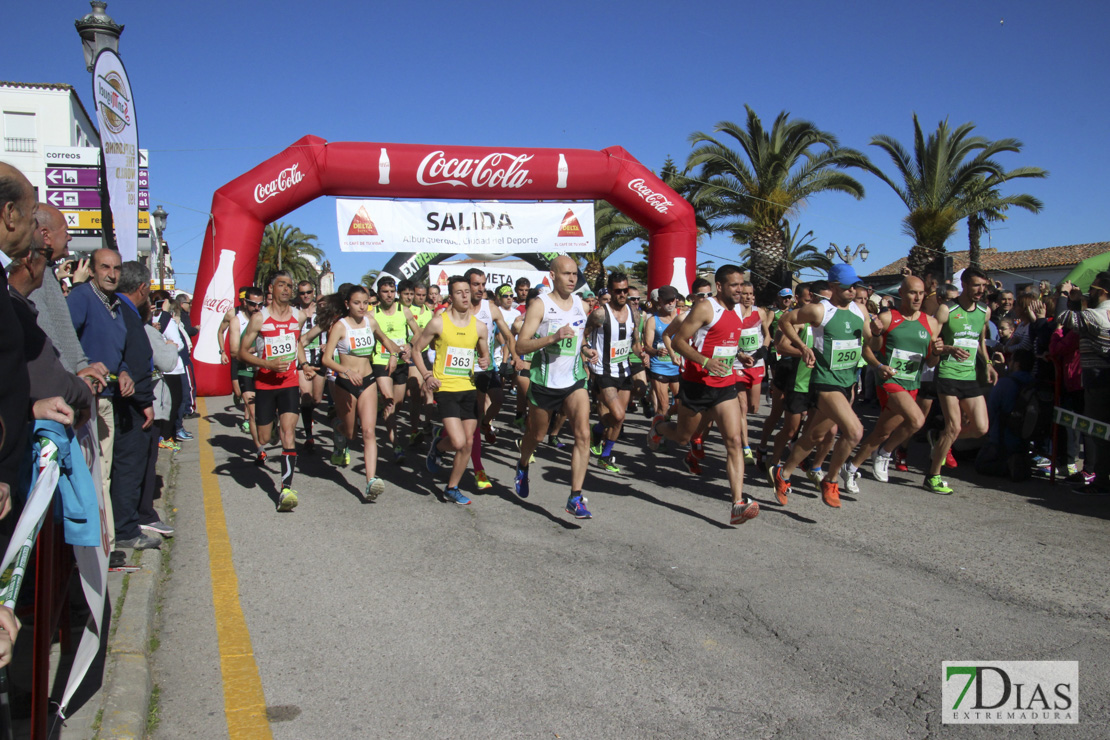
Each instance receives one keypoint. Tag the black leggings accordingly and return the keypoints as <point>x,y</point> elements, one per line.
<point>169,426</point>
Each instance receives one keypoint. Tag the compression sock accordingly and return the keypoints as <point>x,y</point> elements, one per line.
<point>288,464</point>
<point>306,419</point>
<point>607,449</point>
<point>476,452</point>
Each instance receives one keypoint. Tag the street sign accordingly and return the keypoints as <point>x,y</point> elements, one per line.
<point>84,177</point>
<point>81,156</point>
<point>90,220</point>
<point>85,198</point>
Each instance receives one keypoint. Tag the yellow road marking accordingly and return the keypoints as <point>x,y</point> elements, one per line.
<point>244,702</point>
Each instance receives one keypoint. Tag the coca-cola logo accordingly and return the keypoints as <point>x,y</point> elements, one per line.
<point>286,179</point>
<point>219,305</point>
<point>495,170</point>
<point>658,201</point>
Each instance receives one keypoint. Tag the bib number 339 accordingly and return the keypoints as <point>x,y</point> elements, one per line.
<point>282,347</point>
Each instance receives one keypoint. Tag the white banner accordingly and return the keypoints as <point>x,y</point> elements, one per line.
<point>496,275</point>
<point>464,227</point>
<point>119,139</point>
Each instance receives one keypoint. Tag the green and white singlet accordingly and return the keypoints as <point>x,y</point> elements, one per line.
<point>963,329</point>
<point>838,344</point>
<point>559,365</point>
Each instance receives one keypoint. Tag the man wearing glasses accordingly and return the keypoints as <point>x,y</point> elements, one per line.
<point>242,374</point>
<point>312,391</point>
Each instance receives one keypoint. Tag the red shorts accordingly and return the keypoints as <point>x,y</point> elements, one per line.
<point>886,389</point>
<point>750,376</point>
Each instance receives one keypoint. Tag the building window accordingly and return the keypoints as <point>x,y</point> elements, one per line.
<point>19,132</point>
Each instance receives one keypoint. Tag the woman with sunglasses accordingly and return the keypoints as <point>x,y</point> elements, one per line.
<point>352,340</point>
<point>663,364</point>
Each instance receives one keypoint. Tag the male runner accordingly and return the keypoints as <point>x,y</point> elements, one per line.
<point>274,333</point>
<point>638,360</point>
<point>421,316</point>
<point>841,333</point>
<point>907,335</point>
<point>242,376</point>
<point>520,299</point>
<point>783,303</point>
<point>553,332</point>
<point>461,345</point>
<point>612,330</point>
<point>708,339</point>
<point>392,374</point>
<point>488,381</point>
<point>312,391</point>
<point>962,341</point>
<point>755,337</point>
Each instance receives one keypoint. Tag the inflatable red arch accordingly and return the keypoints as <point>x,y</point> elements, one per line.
<point>312,167</point>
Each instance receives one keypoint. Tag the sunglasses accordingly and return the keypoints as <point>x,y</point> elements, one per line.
<point>256,304</point>
<point>635,299</point>
<point>305,292</point>
<point>619,290</point>
<point>702,295</point>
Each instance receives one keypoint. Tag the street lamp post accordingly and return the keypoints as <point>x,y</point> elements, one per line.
<point>847,255</point>
<point>98,31</point>
<point>159,216</point>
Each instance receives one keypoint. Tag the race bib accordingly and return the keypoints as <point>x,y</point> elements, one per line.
<point>845,354</point>
<point>361,341</point>
<point>282,347</point>
<point>565,347</point>
<point>906,364</point>
<point>750,339</point>
<point>458,361</point>
<point>971,344</point>
<point>619,350</point>
<point>727,355</point>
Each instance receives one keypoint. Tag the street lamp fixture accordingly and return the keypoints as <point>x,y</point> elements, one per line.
<point>847,255</point>
<point>98,31</point>
<point>160,215</point>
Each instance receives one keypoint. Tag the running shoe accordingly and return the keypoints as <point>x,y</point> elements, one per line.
<point>416,438</point>
<point>1081,477</point>
<point>483,480</point>
<point>398,455</point>
<point>749,457</point>
<point>596,441</point>
<point>183,434</point>
<point>780,484</point>
<point>374,487</point>
<point>260,458</point>
<point>880,466</point>
<point>287,501</point>
<point>850,479</point>
<point>521,482</point>
<point>168,444</point>
<point>607,464</point>
<point>432,461</point>
<point>520,423</point>
<point>456,496</point>
<point>950,460</point>
<point>697,447</point>
<point>900,463</point>
<point>653,438</point>
<point>531,458</point>
<point>936,484</point>
<point>692,463</point>
<point>489,435</point>
<point>748,508</point>
<point>830,493</point>
<point>1041,461</point>
<point>339,459</point>
<point>1071,469</point>
<point>554,441</point>
<point>245,426</point>
<point>816,475</point>
<point>310,445</point>
<point>576,506</point>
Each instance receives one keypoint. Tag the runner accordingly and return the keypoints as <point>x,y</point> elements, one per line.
<point>522,288</point>
<point>962,342</point>
<point>242,376</point>
<point>612,330</point>
<point>783,303</point>
<point>392,371</point>
<point>553,332</point>
<point>663,365</point>
<point>274,333</point>
<point>708,339</point>
<point>487,381</point>
<point>755,337</point>
<point>353,340</point>
<point>458,337</point>
<point>841,332</point>
<point>641,389</point>
<point>696,452</point>
<point>907,339</point>
<point>312,391</point>
<point>421,315</point>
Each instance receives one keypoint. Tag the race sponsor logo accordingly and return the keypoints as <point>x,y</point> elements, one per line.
<point>442,279</point>
<point>115,108</point>
<point>495,170</point>
<point>362,224</point>
<point>286,179</point>
<point>219,305</point>
<point>658,201</point>
<point>412,265</point>
<point>570,226</point>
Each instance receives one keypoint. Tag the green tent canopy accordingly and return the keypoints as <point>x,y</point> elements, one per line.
<point>1084,273</point>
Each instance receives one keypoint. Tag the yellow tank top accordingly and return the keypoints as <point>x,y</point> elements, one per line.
<point>456,355</point>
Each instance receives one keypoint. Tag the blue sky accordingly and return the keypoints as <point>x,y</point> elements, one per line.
<point>222,86</point>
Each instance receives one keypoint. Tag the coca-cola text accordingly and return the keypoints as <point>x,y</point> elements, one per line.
<point>497,169</point>
<point>286,179</point>
<point>219,305</point>
<point>658,201</point>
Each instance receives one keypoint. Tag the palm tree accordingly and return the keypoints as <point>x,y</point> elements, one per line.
<point>369,278</point>
<point>286,247</point>
<point>799,250</point>
<point>985,205</point>
<point>751,191</point>
<point>945,180</point>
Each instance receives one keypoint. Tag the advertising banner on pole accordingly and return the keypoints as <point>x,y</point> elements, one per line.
<point>119,137</point>
<point>464,227</point>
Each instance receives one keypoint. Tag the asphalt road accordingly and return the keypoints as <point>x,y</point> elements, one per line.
<point>410,617</point>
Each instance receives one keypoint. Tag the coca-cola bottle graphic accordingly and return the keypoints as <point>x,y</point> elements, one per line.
<point>383,168</point>
<point>678,279</point>
<point>217,300</point>
<point>563,171</point>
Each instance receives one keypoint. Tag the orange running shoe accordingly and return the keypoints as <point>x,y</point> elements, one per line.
<point>697,447</point>
<point>782,486</point>
<point>692,464</point>
<point>830,493</point>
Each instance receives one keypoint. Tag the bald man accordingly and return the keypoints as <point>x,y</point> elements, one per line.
<point>903,341</point>
<point>48,298</point>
